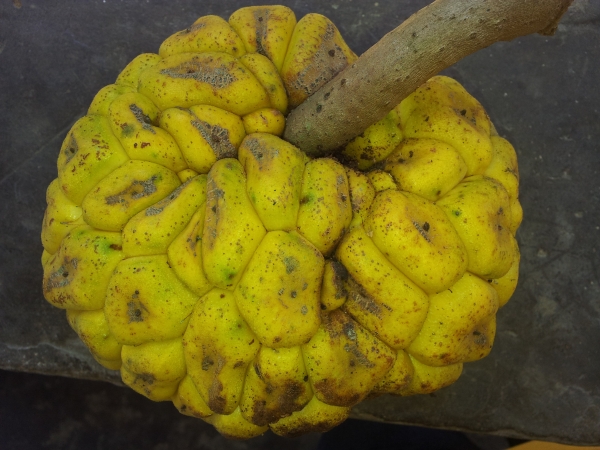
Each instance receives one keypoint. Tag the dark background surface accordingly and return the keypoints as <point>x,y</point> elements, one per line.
<point>542,379</point>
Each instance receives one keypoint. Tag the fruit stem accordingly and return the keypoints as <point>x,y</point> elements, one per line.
<point>431,40</point>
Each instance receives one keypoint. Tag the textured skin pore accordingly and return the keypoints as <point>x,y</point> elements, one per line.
<point>220,268</point>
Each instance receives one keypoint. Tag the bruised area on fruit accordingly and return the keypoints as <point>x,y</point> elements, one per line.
<point>219,267</point>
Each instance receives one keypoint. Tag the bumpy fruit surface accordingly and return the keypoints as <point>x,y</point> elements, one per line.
<point>218,267</point>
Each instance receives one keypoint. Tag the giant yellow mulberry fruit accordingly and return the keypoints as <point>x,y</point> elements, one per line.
<point>220,268</point>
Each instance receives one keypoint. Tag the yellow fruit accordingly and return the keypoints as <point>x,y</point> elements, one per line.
<point>220,268</point>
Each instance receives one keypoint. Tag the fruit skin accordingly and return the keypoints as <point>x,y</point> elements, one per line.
<point>218,267</point>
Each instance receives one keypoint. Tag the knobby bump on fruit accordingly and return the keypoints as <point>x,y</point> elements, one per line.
<point>219,267</point>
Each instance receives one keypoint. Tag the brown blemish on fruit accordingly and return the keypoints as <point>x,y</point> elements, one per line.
<point>217,77</point>
<point>261,16</point>
<point>146,379</point>
<point>62,276</point>
<point>423,230</point>
<point>162,204</point>
<point>207,362</point>
<point>136,309</point>
<point>143,119</point>
<point>340,276</point>
<point>359,297</point>
<point>216,402</point>
<point>285,403</point>
<point>328,60</point>
<point>72,148</point>
<point>138,189</point>
<point>217,137</point>
<point>332,395</point>
<point>193,28</point>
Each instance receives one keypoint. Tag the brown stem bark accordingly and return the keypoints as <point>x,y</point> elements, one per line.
<point>434,38</point>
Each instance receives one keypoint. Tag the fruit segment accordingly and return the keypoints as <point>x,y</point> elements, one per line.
<point>380,298</point>
<point>398,377</point>
<point>92,329</point>
<point>381,181</point>
<point>61,216</point>
<point>274,171</point>
<point>185,255</point>
<point>133,119</point>
<point>428,379</point>
<point>278,295</point>
<point>154,369</point>
<point>151,231</point>
<point>362,194</point>
<point>234,426</point>
<point>204,133</point>
<point>266,120</point>
<point>145,301</point>
<point>316,53</point>
<point>105,97</point>
<point>427,167</point>
<point>505,286</point>
<point>333,289</point>
<point>207,34</point>
<point>131,73</point>
<point>232,230</point>
<point>345,361</point>
<point>188,400</point>
<point>442,92</point>
<point>479,210</point>
<point>86,257</point>
<point>276,385</point>
<point>88,154</point>
<point>504,169</point>
<point>219,346</point>
<point>266,73</point>
<point>460,324</point>
<point>375,143</point>
<point>325,210</point>
<point>415,235</point>
<point>441,109</point>
<point>126,191</point>
<point>315,417</point>
<point>265,30</point>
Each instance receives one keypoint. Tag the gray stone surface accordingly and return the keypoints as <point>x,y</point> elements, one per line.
<point>542,379</point>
